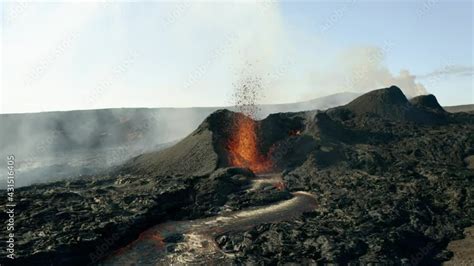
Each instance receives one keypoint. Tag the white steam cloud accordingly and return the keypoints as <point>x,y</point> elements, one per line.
<point>365,70</point>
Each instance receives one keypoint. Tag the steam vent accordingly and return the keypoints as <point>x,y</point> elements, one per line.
<point>377,180</point>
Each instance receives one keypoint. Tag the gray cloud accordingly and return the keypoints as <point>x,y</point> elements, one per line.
<point>451,70</point>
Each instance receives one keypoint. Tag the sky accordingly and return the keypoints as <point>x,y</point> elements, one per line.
<point>88,55</point>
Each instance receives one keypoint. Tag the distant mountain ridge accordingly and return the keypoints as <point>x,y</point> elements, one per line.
<point>460,108</point>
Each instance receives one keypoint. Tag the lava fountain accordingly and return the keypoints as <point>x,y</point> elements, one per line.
<point>243,143</point>
<point>243,146</point>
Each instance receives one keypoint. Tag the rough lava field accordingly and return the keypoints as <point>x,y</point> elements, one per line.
<point>382,179</point>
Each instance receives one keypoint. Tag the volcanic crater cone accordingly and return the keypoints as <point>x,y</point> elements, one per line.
<point>391,104</point>
<point>225,138</point>
<point>427,102</point>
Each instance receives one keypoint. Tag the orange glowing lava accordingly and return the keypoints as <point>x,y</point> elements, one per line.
<point>243,147</point>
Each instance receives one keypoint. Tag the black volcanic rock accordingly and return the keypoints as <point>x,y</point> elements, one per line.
<point>390,104</point>
<point>215,190</point>
<point>427,102</point>
<point>389,176</point>
<point>77,222</point>
<point>382,202</point>
<point>323,126</point>
<point>194,155</point>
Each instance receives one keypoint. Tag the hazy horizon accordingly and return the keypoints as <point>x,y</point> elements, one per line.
<point>190,107</point>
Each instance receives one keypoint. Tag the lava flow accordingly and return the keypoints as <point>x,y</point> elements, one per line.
<point>243,147</point>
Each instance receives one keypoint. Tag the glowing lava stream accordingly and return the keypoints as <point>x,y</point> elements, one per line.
<point>186,242</point>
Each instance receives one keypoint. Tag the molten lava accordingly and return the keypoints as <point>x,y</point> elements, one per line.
<point>243,147</point>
